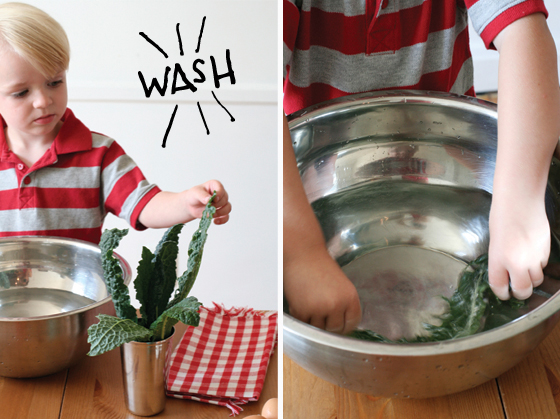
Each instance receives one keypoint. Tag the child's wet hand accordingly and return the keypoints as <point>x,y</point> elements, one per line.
<point>320,294</point>
<point>519,248</point>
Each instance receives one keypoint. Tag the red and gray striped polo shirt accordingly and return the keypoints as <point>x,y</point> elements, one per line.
<point>333,48</point>
<point>69,191</point>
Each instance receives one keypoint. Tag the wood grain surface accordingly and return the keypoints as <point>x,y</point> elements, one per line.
<point>32,398</point>
<point>530,390</point>
<point>93,389</point>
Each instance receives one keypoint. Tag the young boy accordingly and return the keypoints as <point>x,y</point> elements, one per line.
<point>336,48</point>
<point>57,177</point>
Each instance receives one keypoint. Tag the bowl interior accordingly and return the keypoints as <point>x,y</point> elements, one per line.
<point>49,276</point>
<point>402,185</point>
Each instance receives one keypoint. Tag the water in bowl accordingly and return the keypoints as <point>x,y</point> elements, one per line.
<point>34,302</point>
<point>397,212</point>
<point>404,245</point>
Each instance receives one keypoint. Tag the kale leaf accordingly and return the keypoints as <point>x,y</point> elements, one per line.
<point>185,311</point>
<point>166,268</point>
<point>157,274</point>
<point>470,303</point>
<point>143,286</point>
<point>114,275</point>
<point>196,248</point>
<point>111,332</point>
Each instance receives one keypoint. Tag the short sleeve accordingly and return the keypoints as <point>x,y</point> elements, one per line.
<point>490,17</point>
<point>125,190</point>
<point>291,22</point>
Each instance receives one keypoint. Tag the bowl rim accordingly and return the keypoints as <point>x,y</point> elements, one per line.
<point>311,334</point>
<point>75,242</point>
<point>392,97</point>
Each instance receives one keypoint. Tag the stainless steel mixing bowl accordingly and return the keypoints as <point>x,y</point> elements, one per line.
<point>51,289</point>
<point>401,183</point>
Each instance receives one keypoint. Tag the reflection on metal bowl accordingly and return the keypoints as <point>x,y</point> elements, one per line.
<point>51,289</point>
<point>401,183</point>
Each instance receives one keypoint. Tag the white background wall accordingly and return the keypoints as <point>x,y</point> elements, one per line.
<point>486,61</point>
<point>240,263</point>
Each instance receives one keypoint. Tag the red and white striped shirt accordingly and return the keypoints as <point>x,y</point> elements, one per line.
<point>71,188</point>
<point>333,48</point>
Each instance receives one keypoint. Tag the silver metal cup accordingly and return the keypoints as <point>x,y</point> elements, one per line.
<point>144,365</point>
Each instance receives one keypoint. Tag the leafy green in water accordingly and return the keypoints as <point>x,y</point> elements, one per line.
<point>468,306</point>
<point>154,286</point>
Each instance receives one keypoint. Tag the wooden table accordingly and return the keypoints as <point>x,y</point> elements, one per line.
<point>531,390</point>
<point>93,389</point>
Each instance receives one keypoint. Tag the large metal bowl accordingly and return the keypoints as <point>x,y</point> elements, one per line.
<point>51,289</point>
<point>401,183</point>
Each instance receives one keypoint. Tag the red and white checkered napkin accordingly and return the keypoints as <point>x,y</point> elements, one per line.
<point>224,360</point>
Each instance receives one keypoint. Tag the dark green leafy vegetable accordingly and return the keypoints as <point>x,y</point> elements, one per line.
<point>113,274</point>
<point>154,286</point>
<point>111,332</point>
<point>196,248</point>
<point>185,311</point>
<point>166,266</point>
<point>157,273</point>
<point>468,305</point>
<point>143,286</point>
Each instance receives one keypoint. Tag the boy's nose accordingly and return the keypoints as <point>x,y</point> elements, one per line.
<point>41,100</point>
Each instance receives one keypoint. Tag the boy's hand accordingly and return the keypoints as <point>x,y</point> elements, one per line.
<point>197,197</point>
<point>519,247</point>
<point>528,131</point>
<point>317,290</point>
<point>320,294</point>
<point>166,209</point>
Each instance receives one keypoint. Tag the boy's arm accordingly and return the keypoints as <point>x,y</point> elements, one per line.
<point>528,131</point>
<point>317,290</point>
<point>169,208</point>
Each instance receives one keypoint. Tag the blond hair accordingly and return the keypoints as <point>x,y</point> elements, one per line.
<point>35,36</point>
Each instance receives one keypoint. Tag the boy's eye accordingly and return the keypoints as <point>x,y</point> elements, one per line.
<point>55,83</point>
<point>20,94</point>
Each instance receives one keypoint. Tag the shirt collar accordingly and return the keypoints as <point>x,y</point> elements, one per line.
<point>73,136</point>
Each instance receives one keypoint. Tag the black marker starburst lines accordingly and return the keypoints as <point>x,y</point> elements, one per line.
<point>190,85</point>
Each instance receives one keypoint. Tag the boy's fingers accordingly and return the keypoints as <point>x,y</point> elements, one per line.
<point>214,185</point>
<point>499,281</point>
<point>318,321</point>
<point>335,323</point>
<point>222,211</point>
<point>352,318</point>
<point>200,194</point>
<point>521,285</point>
<point>221,199</point>
<point>537,276</point>
<point>522,293</point>
<point>221,220</point>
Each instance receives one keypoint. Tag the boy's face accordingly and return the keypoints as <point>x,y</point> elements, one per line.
<point>31,104</point>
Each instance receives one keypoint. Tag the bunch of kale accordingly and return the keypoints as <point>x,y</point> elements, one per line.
<point>154,286</point>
